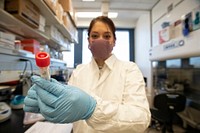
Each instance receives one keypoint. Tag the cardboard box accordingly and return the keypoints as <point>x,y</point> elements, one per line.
<point>7,42</point>
<point>166,34</point>
<point>7,36</point>
<point>24,10</point>
<point>51,31</point>
<point>52,5</point>
<point>31,45</point>
<point>42,23</point>
<point>67,5</point>
<point>42,20</point>
<point>66,21</point>
<point>59,13</point>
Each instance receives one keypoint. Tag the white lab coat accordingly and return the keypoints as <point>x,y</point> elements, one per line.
<point>119,90</point>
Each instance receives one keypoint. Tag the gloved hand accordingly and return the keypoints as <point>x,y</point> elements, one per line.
<point>57,102</point>
<point>31,101</point>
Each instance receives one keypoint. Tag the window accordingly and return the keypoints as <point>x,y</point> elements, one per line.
<point>68,57</point>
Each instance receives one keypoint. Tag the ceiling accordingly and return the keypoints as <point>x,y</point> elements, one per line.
<point>128,10</point>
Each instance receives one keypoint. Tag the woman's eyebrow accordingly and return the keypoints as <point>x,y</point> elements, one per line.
<point>107,32</point>
<point>94,32</point>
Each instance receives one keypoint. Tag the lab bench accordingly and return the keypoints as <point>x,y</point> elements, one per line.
<point>15,123</point>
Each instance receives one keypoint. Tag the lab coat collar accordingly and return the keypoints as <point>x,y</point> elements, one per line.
<point>110,65</point>
<point>109,62</point>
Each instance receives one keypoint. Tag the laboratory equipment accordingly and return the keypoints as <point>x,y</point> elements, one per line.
<point>5,92</point>
<point>17,102</point>
<point>43,62</point>
<point>5,112</point>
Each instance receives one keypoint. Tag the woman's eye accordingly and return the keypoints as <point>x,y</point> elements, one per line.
<point>107,37</point>
<point>94,36</point>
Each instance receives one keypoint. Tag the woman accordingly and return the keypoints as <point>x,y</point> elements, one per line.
<point>111,98</point>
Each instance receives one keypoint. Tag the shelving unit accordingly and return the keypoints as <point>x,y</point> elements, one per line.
<point>52,19</point>
<point>9,59</point>
<point>23,54</point>
<point>12,24</point>
<point>11,65</point>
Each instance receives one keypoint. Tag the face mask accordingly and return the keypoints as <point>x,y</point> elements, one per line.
<point>100,49</point>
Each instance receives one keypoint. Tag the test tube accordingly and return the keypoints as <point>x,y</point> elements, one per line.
<point>43,62</point>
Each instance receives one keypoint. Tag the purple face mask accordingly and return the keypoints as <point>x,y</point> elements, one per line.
<point>100,49</point>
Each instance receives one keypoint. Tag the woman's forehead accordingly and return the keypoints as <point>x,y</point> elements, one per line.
<point>100,27</point>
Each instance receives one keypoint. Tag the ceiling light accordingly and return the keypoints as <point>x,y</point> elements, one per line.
<point>95,14</point>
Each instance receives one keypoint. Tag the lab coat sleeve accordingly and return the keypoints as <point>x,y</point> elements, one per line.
<point>131,114</point>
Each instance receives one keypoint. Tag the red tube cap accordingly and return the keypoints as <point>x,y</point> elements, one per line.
<point>42,59</point>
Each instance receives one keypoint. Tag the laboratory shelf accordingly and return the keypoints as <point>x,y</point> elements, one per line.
<point>10,55</point>
<point>51,19</point>
<point>14,25</point>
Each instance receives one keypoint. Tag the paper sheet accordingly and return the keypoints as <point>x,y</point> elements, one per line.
<point>47,127</point>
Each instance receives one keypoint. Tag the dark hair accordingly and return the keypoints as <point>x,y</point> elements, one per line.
<point>105,20</point>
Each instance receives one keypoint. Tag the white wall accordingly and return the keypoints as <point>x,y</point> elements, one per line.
<point>142,46</point>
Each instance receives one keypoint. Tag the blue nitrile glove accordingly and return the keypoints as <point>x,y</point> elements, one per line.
<point>59,103</point>
<point>31,101</point>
